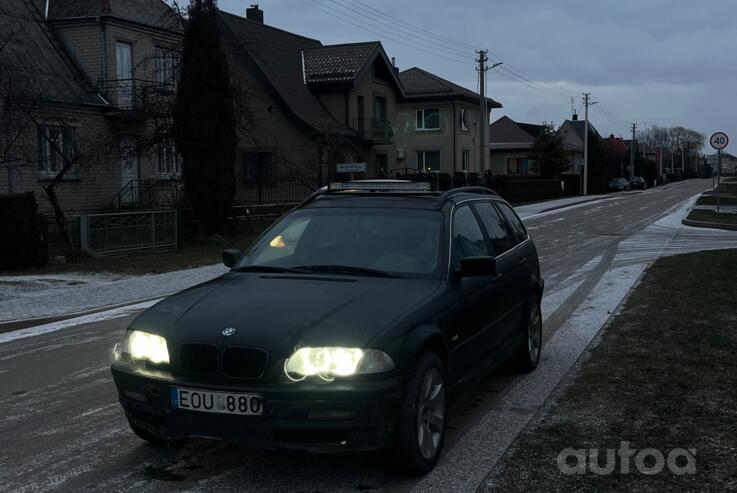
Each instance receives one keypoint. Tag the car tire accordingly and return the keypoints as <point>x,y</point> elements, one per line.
<point>149,437</point>
<point>527,357</point>
<point>422,417</point>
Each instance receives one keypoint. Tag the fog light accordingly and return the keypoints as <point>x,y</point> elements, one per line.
<point>331,415</point>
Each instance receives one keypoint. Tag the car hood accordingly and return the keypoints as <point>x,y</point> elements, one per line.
<point>280,312</point>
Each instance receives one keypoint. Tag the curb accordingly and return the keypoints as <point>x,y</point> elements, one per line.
<point>699,224</point>
<point>13,325</point>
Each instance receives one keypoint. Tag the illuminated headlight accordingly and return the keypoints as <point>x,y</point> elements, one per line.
<point>331,362</point>
<point>142,346</point>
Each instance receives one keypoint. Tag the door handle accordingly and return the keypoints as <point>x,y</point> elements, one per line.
<point>522,261</point>
<point>497,277</point>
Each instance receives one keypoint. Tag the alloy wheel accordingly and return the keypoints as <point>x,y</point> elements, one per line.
<point>431,419</point>
<point>534,333</point>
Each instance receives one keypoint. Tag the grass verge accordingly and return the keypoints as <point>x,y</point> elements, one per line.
<point>193,254</point>
<point>663,376</point>
<point>707,216</point>
<point>712,200</point>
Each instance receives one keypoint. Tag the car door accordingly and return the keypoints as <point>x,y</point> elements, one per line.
<point>518,262</point>
<point>501,243</point>
<point>476,333</point>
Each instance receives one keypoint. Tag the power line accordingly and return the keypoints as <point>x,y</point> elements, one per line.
<point>397,38</point>
<point>408,28</point>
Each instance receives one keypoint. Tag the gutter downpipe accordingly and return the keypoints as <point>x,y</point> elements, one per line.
<point>455,150</point>
<point>104,75</point>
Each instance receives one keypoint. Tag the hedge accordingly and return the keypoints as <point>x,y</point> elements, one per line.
<point>22,244</point>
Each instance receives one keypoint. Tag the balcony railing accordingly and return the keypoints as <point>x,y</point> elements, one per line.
<point>137,94</point>
<point>374,130</point>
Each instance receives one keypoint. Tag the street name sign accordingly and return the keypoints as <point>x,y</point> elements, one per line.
<point>350,167</point>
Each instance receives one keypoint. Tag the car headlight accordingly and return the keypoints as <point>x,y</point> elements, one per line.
<point>331,362</point>
<point>144,346</point>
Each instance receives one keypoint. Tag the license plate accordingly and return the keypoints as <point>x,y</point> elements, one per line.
<point>216,402</point>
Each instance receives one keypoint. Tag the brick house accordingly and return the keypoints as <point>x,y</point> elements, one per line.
<point>511,146</point>
<point>92,80</point>
<point>309,105</point>
<point>437,124</point>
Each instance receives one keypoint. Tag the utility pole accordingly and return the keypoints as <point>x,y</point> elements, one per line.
<point>586,103</point>
<point>483,119</point>
<point>632,150</point>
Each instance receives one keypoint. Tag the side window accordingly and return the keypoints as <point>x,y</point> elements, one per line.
<point>515,225</point>
<point>495,228</point>
<point>468,239</point>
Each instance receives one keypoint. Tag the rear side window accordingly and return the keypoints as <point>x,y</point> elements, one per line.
<point>515,225</point>
<point>495,228</point>
<point>468,239</point>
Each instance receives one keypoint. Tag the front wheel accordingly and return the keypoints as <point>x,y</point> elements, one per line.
<point>527,356</point>
<point>421,426</point>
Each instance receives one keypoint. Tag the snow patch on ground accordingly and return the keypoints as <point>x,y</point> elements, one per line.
<point>73,322</point>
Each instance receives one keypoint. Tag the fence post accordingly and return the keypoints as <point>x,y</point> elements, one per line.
<point>84,242</point>
<point>153,229</point>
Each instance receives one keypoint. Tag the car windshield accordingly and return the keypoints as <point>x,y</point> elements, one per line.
<point>351,241</point>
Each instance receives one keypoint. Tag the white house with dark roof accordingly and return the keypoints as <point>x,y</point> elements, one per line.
<point>511,146</point>
<point>437,124</point>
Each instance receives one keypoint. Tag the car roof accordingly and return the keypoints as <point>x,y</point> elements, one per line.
<point>392,193</point>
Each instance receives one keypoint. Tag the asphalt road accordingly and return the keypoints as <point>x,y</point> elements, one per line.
<point>61,426</point>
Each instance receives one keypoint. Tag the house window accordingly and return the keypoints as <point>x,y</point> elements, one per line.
<point>428,119</point>
<point>518,166</point>
<point>466,160</point>
<point>170,164</point>
<point>428,161</point>
<point>54,144</point>
<point>166,70</point>
<point>464,119</point>
<point>380,108</point>
<point>256,167</point>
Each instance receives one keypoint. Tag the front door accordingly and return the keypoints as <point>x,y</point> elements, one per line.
<point>124,73</point>
<point>128,173</point>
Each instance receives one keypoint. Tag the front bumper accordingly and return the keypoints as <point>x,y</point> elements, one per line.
<point>335,417</point>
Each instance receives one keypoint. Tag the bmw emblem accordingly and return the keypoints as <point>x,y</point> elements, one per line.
<point>227,332</point>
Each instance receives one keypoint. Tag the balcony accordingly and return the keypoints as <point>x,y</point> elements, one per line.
<point>378,132</point>
<point>136,97</point>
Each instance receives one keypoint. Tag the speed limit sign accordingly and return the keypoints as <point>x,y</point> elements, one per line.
<point>719,141</point>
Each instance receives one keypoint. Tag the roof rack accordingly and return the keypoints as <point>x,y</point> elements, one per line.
<point>446,196</point>
<point>369,187</point>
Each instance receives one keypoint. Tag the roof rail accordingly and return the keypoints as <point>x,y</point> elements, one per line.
<point>372,187</point>
<point>446,196</point>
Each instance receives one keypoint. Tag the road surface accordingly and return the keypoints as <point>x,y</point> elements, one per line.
<point>62,428</point>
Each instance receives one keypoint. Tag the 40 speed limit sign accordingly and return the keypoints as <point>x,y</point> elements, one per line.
<point>719,141</point>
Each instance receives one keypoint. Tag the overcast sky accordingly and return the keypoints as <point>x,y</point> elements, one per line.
<point>663,62</point>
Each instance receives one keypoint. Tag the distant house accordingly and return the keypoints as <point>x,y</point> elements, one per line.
<point>642,149</point>
<point>310,105</point>
<point>511,146</point>
<point>573,132</point>
<point>437,125</point>
<point>729,163</point>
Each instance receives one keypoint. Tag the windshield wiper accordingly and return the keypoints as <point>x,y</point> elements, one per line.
<point>346,269</point>
<point>270,269</point>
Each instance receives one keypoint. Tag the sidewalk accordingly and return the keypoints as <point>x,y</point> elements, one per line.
<point>53,295</point>
<point>527,210</point>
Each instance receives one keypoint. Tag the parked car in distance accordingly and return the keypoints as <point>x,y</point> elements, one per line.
<point>637,182</point>
<point>350,324</point>
<point>619,185</point>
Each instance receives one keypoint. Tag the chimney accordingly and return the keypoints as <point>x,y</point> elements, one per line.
<point>394,65</point>
<point>254,13</point>
<point>575,117</point>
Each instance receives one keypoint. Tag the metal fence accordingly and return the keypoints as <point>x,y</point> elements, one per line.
<point>110,234</point>
<point>281,190</point>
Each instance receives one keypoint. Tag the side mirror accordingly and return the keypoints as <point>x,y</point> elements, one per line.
<point>478,267</point>
<point>231,256</point>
